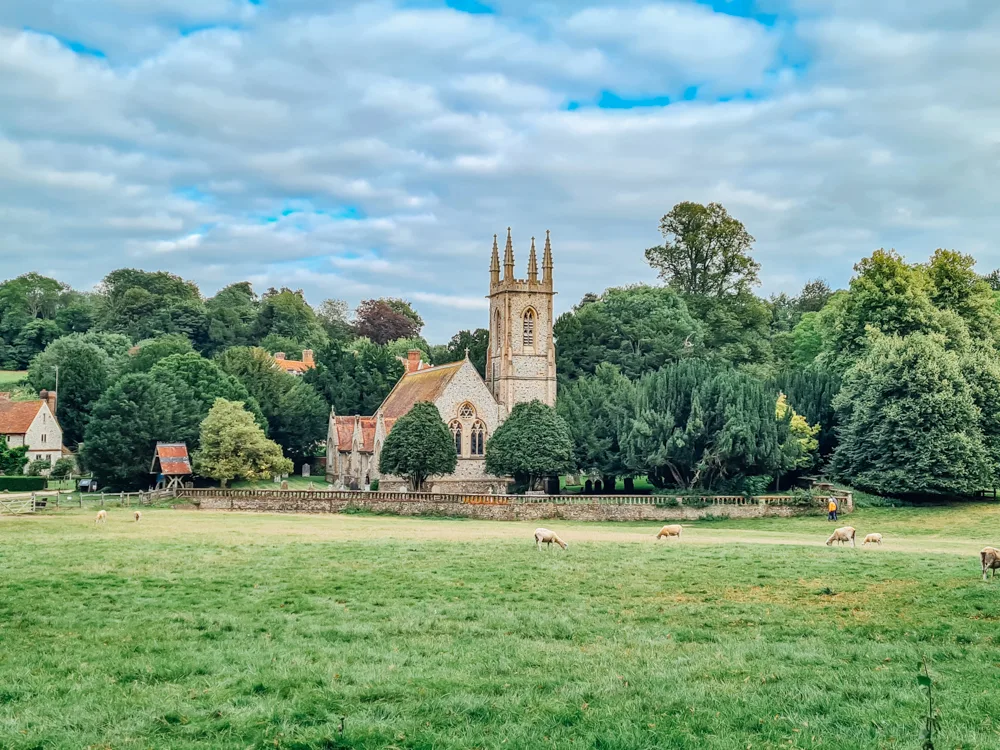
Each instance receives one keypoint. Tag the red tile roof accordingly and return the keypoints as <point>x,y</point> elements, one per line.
<point>16,416</point>
<point>291,365</point>
<point>173,458</point>
<point>422,385</point>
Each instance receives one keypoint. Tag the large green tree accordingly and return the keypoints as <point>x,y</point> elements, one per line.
<point>145,304</point>
<point>419,446</point>
<point>84,372</point>
<point>597,410</point>
<point>124,427</point>
<point>909,421</point>
<point>637,328</point>
<point>233,446</point>
<point>147,353</point>
<point>259,373</point>
<point>705,251</point>
<point>231,317</point>
<point>301,422</point>
<point>285,313</point>
<point>355,382</point>
<point>955,286</point>
<point>477,343</point>
<point>532,443</point>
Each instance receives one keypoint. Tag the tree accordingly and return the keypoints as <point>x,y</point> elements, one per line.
<point>12,460</point>
<point>382,321</point>
<point>32,339</point>
<point>37,466</point>
<point>203,381</point>
<point>597,410</point>
<point>301,422</point>
<point>814,295</point>
<point>955,286</point>
<point>355,382</point>
<point>637,328</point>
<point>231,316</point>
<point>286,313</point>
<point>736,327</point>
<point>419,446</point>
<point>476,342</point>
<point>233,446</point>
<point>259,373</point>
<point>886,294</point>
<point>703,425</point>
<point>124,427</point>
<point>148,353</point>
<point>807,339</point>
<point>705,251</point>
<point>402,347</point>
<point>85,371</point>
<point>801,445</point>
<point>810,391</point>
<point>909,422</point>
<point>333,316</point>
<point>532,443</point>
<point>982,372</point>
<point>144,305</point>
<point>63,468</point>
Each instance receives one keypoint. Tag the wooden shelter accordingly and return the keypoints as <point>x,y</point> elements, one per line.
<point>170,465</point>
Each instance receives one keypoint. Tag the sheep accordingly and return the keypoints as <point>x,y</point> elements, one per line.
<point>843,534</point>
<point>669,531</point>
<point>990,558</point>
<point>102,517</point>
<point>548,537</point>
<point>872,539</point>
<point>138,516</point>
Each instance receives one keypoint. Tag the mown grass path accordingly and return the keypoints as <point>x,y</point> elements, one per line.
<point>218,630</point>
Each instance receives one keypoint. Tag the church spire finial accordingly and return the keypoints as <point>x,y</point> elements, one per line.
<point>495,263</point>
<point>532,263</point>
<point>508,258</point>
<point>547,260</point>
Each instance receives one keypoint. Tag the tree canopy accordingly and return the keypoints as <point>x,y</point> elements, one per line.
<point>233,446</point>
<point>419,446</point>
<point>532,443</point>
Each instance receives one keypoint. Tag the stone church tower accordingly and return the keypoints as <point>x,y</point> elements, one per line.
<point>521,360</point>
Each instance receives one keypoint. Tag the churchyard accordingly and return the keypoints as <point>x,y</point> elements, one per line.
<point>196,629</point>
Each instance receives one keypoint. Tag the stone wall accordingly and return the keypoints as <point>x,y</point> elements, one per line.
<point>497,508</point>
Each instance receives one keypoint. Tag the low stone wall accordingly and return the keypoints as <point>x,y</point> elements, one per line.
<point>499,508</point>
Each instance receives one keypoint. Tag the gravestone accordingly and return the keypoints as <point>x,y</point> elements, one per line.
<point>306,470</point>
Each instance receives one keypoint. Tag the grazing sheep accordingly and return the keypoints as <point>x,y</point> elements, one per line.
<point>990,558</point>
<point>669,531</point>
<point>102,517</point>
<point>138,516</point>
<point>548,537</point>
<point>843,534</point>
<point>872,539</point>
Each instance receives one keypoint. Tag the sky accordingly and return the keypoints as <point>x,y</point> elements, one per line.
<point>362,149</point>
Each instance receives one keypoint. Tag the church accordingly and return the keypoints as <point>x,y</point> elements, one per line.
<point>520,366</point>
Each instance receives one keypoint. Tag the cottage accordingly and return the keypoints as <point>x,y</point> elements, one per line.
<point>293,367</point>
<point>32,423</point>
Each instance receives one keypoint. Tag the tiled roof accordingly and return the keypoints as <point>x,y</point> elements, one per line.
<point>291,365</point>
<point>173,458</point>
<point>422,385</point>
<point>16,416</point>
<point>345,433</point>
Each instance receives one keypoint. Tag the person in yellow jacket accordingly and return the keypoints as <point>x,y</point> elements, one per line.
<point>832,509</point>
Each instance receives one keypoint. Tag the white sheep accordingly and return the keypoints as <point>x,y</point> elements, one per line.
<point>138,516</point>
<point>102,517</point>
<point>843,534</point>
<point>671,530</point>
<point>990,558</point>
<point>872,539</point>
<point>544,536</point>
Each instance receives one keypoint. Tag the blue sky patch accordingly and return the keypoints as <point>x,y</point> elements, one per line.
<point>73,45</point>
<point>469,6</point>
<point>743,9</point>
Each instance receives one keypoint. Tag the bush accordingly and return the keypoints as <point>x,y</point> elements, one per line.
<point>22,484</point>
<point>374,485</point>
<point>36,467</point>
<point>62,468</point>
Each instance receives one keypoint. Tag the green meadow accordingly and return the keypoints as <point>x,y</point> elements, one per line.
<point>216,630</point>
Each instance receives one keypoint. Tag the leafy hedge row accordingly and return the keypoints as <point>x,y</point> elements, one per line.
<point>21,484</point>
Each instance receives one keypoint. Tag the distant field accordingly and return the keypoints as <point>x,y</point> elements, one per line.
<point>225,630</point>
<point>12,376</point>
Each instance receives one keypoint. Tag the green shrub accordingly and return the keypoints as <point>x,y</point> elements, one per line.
<point>62,468</point>
<point>36,467</point>
<point>21,484</point>
<point>374,485</point>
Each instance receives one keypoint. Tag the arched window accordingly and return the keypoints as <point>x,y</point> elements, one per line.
<point>528,322</point>
<point>456,433</point>
<point>466,411</point>
<point>496,332</point>
<point>478,438</point>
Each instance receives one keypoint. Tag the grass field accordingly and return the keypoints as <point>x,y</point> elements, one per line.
<point>221,630</point>
<point>8,377</point>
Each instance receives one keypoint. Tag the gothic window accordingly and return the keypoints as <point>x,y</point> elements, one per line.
<point>456,433</point>
<point>496,331</point>
<point>529,327</point>
<point>478,436</point>
<point>466,411</point>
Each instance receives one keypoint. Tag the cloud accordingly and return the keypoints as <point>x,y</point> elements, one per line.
<point>359,148</point>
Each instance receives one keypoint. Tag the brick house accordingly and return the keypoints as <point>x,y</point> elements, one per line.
<point>32,423</point>
<point>293,367</point>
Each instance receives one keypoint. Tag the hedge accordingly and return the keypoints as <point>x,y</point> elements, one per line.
<point>21,484</point>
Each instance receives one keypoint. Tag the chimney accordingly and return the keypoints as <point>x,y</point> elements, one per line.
<point>307,356</point>
<point>48,397</point>
<point>279,355</point>
<point>413,360</point>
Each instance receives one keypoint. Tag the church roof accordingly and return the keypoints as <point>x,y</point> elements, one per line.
<point>345,432</point>
<point>421,385</point>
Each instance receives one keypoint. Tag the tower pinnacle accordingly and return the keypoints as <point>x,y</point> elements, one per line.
<point>547,260</point>
<point>508,259</point>
<point>532,263</point>
<point>495,263</point>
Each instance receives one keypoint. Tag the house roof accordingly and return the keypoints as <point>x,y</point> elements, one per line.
<point>421,385</point>
<point>173,458</point>
<point>345,432</point>
<point>294,366</point>
<point>16,416</point>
